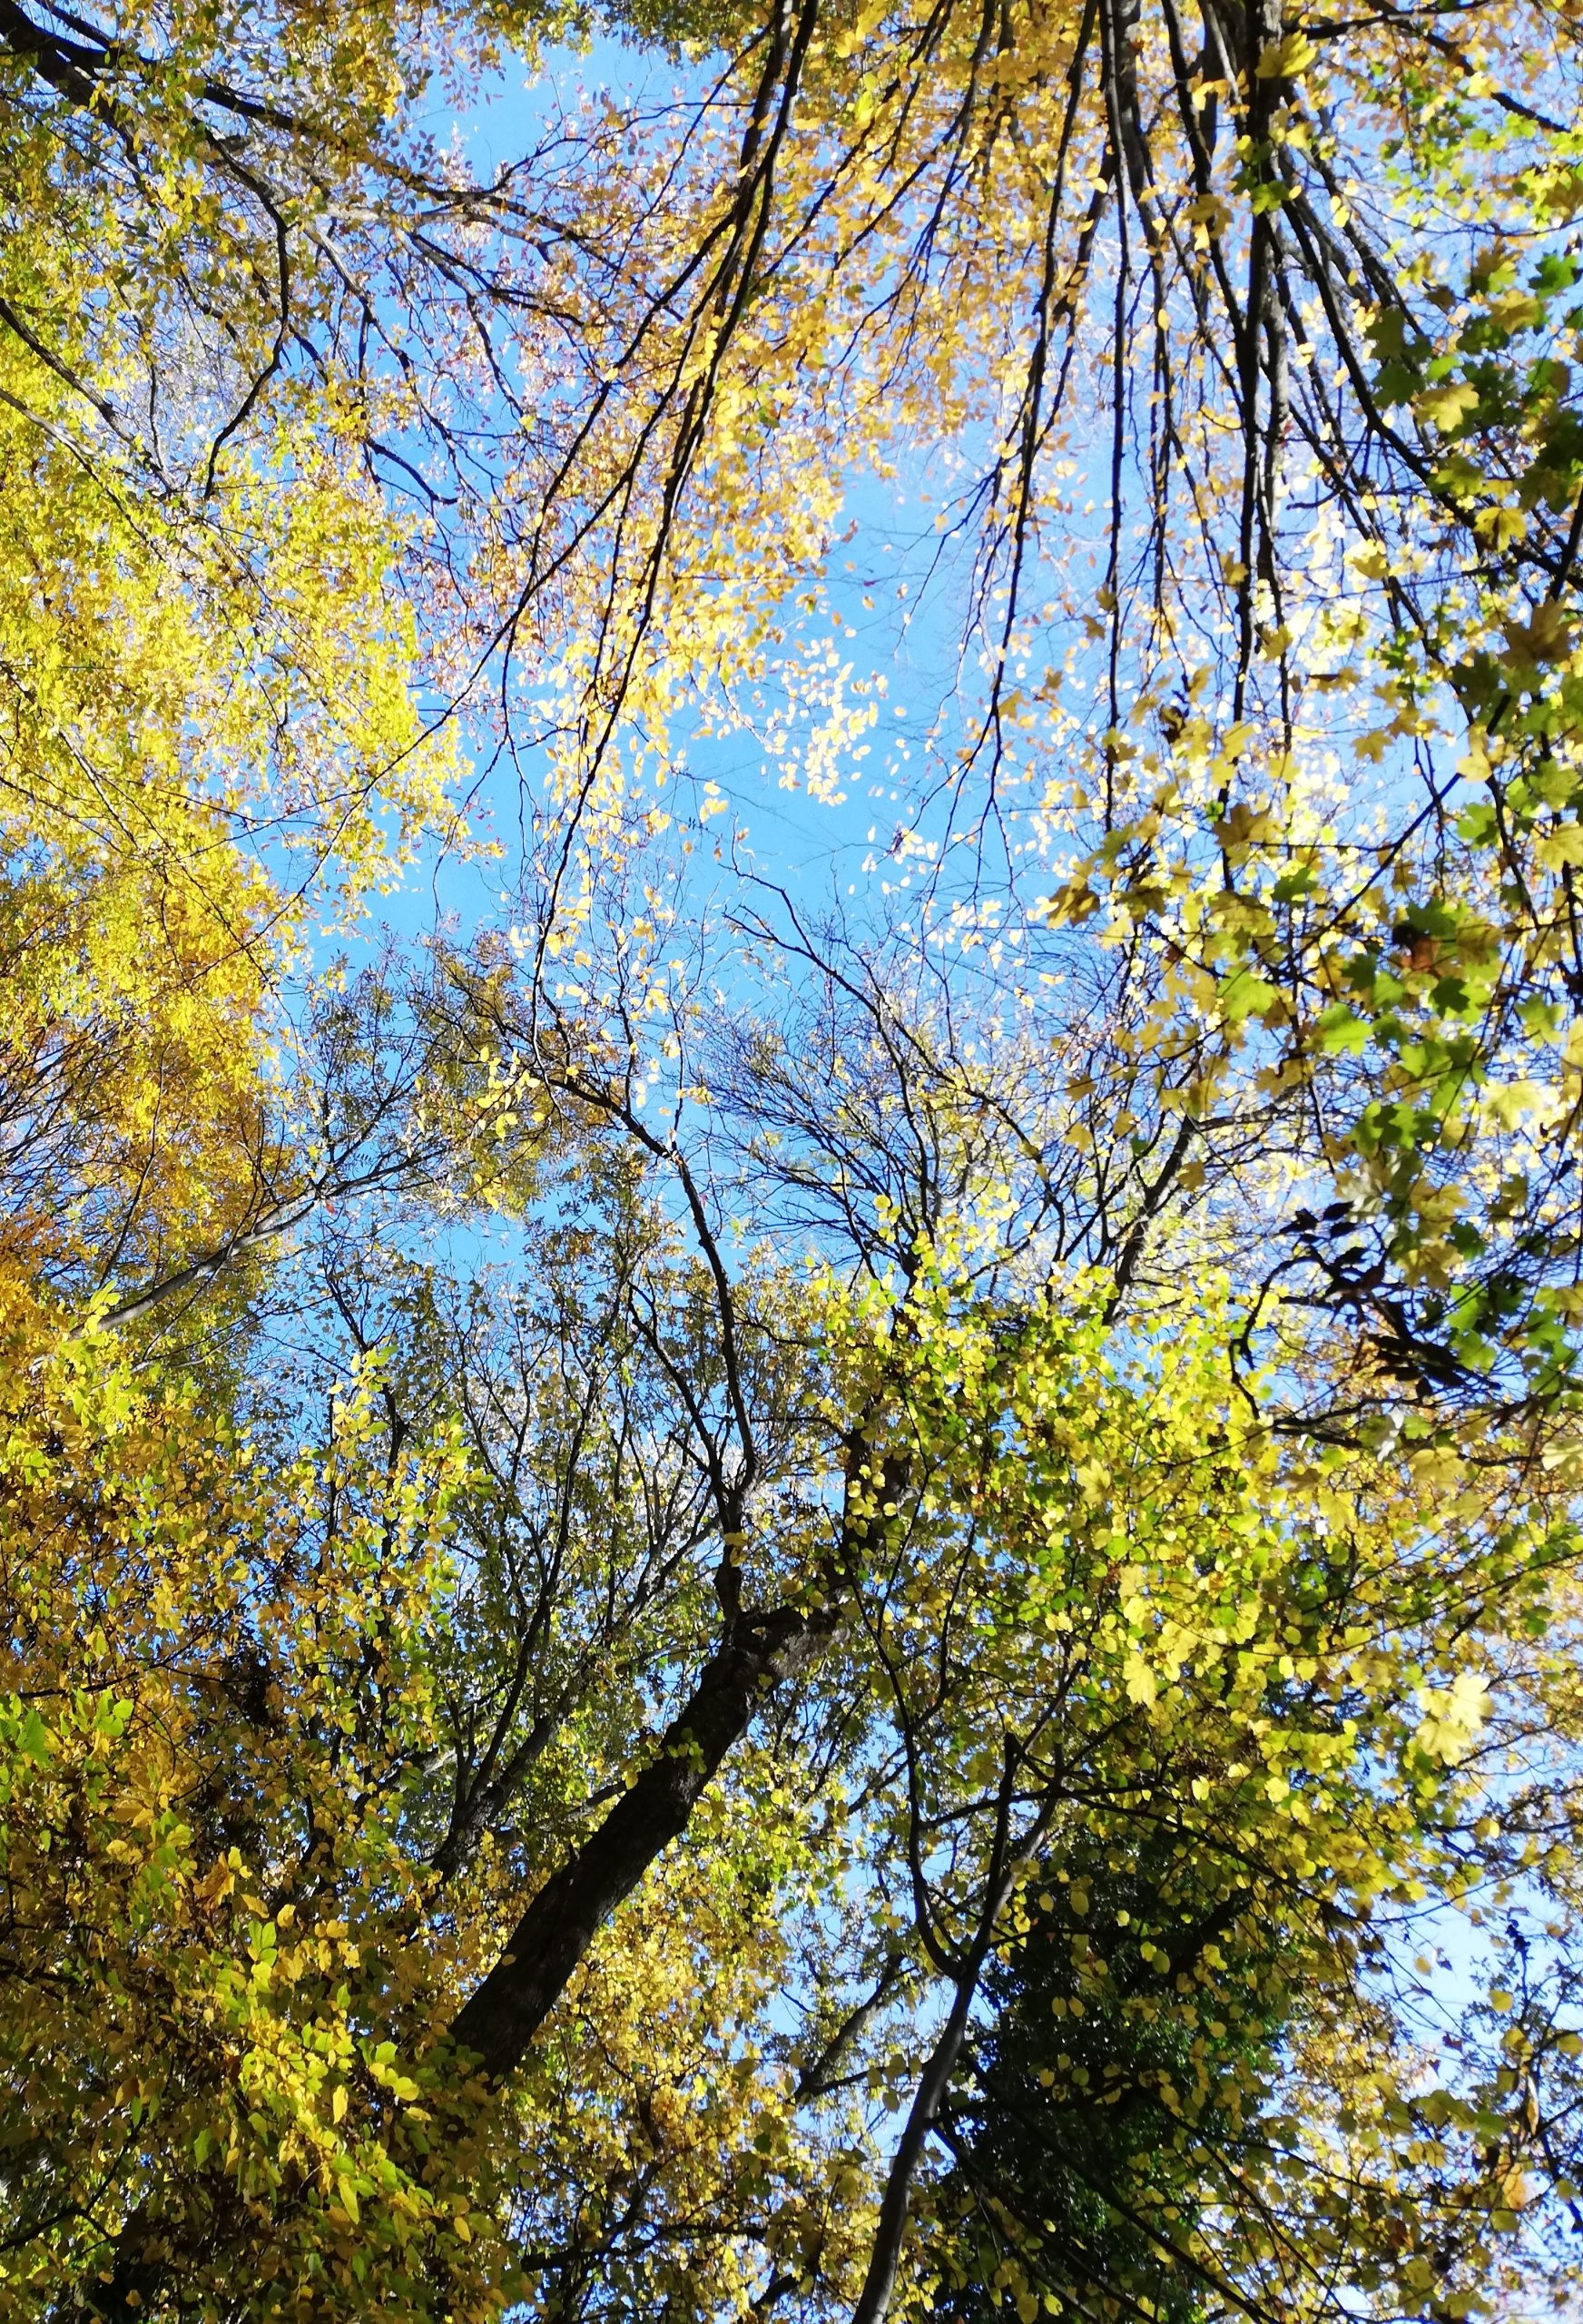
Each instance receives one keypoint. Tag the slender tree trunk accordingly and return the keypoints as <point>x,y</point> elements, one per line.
<point>880,2282</point>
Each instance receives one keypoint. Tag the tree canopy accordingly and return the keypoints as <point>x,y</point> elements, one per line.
<point>788,1498</point>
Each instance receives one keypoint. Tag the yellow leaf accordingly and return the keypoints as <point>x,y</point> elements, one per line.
<point>1563,845</point>
<point>1454,1717</point>
<point>1446,406</point>
<point>1285,59</point>
<point>1139,1681</point>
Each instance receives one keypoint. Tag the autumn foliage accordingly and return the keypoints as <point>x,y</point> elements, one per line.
<point>743,1570</point>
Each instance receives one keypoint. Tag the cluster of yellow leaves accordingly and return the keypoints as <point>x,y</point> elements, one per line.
<point>203,1696</point>
<point>653,2097</point>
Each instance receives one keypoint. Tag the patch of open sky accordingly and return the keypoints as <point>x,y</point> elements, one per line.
<point>894,630</point>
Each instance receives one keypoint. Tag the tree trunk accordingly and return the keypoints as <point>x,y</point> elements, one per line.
<point>501,2017</point>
